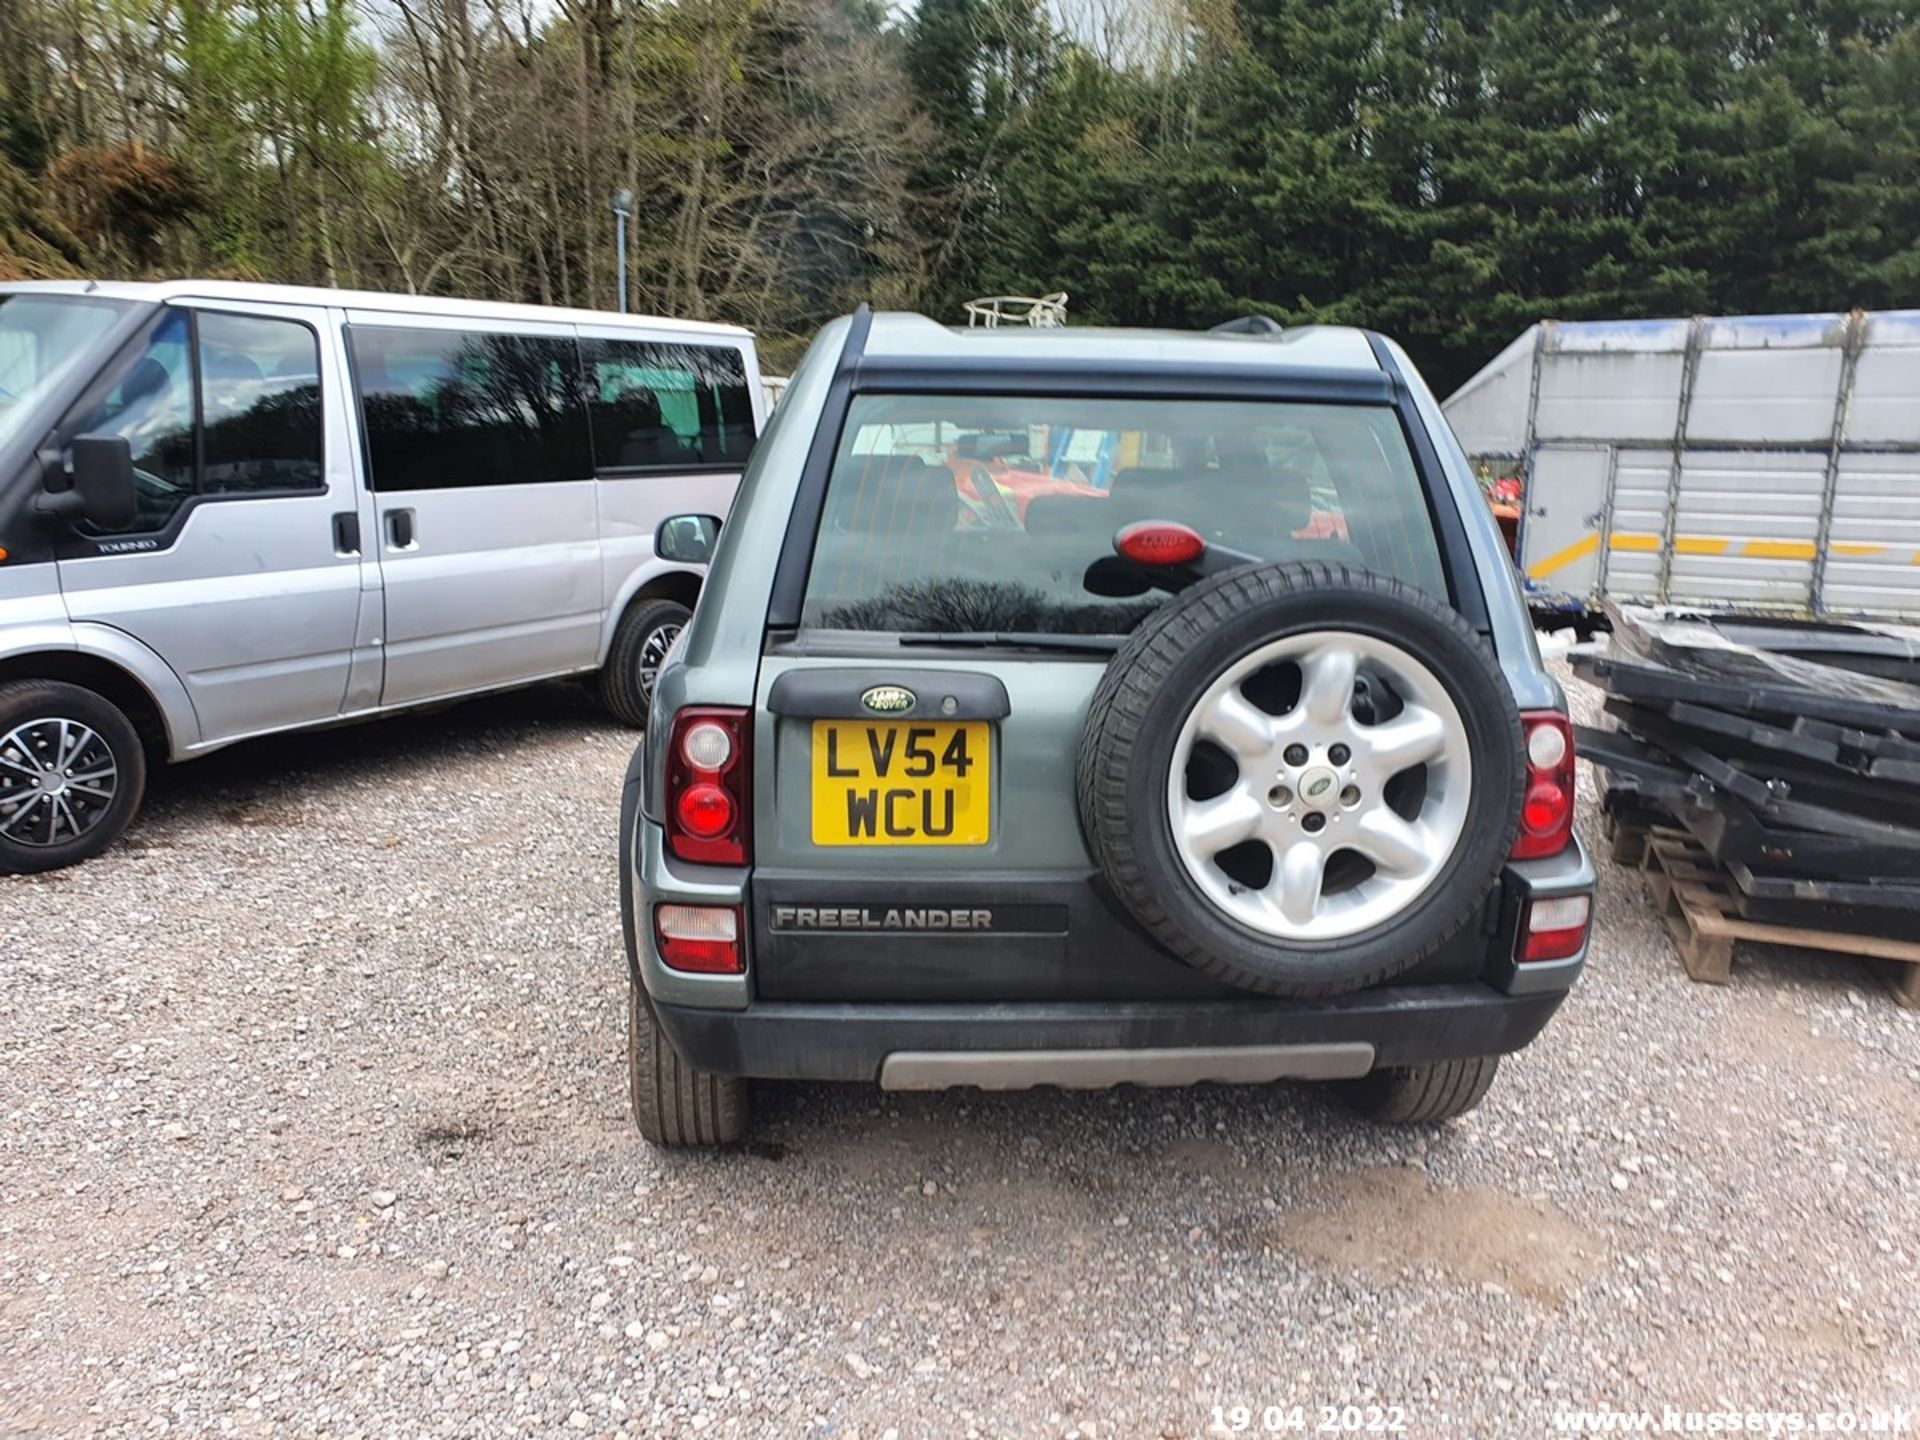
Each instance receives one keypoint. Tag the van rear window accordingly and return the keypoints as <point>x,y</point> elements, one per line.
<point>985,512</point>
<point>674,407</point>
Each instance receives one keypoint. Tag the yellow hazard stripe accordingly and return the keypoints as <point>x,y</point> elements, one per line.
<point>1706,545</point>
<point>1560,559</point>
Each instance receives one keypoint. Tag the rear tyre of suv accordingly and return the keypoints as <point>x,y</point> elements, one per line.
<point>647,631</point>
<point>1302,779</point>
<point>72,772</point>
<point>675,1105</point>
<point>1422,1094</point>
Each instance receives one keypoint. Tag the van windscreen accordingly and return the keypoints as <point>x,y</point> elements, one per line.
<point>42,338</point>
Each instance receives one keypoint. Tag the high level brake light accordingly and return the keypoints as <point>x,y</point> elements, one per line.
<point>1546,811</point>
<point>708,799</point>
<point>1160,542</point>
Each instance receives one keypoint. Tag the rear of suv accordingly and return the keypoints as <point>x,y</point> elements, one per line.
<point>1087,707</point>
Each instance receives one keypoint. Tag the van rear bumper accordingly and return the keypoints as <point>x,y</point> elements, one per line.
<point>999,1046</point>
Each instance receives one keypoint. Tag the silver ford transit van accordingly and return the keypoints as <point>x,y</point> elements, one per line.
<point>228,510</point>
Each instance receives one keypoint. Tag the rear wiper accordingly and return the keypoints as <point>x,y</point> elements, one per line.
<point>1024,639</point>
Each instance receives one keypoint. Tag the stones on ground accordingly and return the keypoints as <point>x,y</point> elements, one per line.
<point>475,991</point>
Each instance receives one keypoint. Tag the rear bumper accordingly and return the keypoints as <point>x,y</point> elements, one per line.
<point>728,1025</point>
<point>1174,1042</point>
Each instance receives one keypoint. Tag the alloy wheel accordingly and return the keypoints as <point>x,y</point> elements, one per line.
<point>58,779</point>
<point>1319,786</point>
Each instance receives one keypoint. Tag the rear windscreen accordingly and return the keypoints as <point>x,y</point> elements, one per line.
<point>953,512</point>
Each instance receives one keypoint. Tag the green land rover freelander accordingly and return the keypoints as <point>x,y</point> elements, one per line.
<point>1083,707</point>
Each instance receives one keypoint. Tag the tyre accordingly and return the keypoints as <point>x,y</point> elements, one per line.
<point>647,631</point>
<point>1422,1094</point>
<point>72,772</point>
<point>675,1105</point>
<point>1302,779</point>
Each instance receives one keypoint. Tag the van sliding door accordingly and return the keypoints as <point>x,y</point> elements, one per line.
<point>482,470</point>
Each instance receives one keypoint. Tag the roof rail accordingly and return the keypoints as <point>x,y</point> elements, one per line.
<point>1248,325</point>
<point>860,325</point>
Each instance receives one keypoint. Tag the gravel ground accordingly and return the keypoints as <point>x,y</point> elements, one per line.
<point>315,1123</point>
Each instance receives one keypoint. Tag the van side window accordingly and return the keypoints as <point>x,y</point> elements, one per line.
<point>259,404</point>
<point>448,408</point>
<point>150,402</point>
<point>659,406</point>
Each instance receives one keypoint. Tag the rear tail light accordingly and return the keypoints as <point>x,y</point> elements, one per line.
<point>1546,806</point>
<point>708,800</point>
<point>1554,929</point>
<point>704,939</point>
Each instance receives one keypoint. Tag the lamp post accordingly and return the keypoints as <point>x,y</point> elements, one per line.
<point>622,207</point>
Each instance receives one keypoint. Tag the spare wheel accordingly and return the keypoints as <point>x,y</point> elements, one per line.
<point>1302,779</point>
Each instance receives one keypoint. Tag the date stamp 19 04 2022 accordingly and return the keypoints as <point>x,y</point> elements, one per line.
<point>1291,1419</point>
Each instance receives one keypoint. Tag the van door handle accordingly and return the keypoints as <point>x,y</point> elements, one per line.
<point>346,533</point>
<point>400,528</point>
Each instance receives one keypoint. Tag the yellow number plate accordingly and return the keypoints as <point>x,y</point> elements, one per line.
<point>893,782</point>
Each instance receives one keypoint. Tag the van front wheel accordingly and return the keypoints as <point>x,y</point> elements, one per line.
<point>71,775</point>
<point>647,631</point>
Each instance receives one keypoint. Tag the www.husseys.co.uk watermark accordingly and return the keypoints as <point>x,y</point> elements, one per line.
<point>1671,1420</point>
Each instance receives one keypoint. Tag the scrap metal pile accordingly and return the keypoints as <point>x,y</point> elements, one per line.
<point>1789,751</point>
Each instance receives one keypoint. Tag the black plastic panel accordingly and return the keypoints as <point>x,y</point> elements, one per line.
<point>938,694</point>
<point>1099,955</point>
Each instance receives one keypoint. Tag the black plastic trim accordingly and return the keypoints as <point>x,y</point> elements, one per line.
<point>1144,378</point>
<point>1456,550</point>
<point>1102,955</point>
<point>851,1042</point>
<point>836,694</point>
<point>662,472</point>
<point>803,523</point>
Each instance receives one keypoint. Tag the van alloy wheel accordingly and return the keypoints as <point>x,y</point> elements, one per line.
<point>641,644</point>
<point>1319,782</point>
<point>58,780</point>
<point>653,654</point>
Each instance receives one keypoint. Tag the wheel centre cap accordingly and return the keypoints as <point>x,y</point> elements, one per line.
<point>1319,787</point>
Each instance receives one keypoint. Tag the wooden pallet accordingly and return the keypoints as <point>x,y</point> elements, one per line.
<point>1696,899</point>
<point>1626,841</point>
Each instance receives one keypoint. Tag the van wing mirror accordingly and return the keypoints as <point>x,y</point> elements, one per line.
<point>103,491</point>
<point>687,539</point>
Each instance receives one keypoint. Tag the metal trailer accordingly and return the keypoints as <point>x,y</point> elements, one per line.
<point>1769,462</point>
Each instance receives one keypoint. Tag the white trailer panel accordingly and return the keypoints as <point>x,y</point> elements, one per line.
<point>1873,549</point>
<point>1767,461</point>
